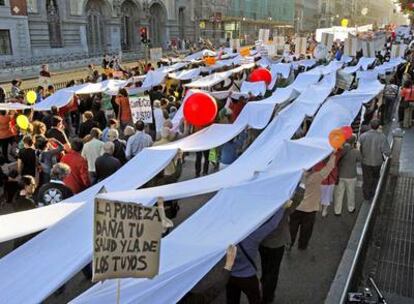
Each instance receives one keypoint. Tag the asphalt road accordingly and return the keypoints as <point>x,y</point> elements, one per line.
<point>305,277</point>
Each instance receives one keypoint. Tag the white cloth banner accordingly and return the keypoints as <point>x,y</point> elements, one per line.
<point>150,161</point>
<point>300,46</point>
<point>256,88</point>
<point>185,74</point>
<point>398,50</point>
<point>350,46</point>
<point>284,69</point>
<point>72,252</point>
<point>255,115</point>
<point>206,235</point>
<point>362,64</point>
<point>327,40</point>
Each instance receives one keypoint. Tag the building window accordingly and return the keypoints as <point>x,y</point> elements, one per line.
<point>181,22</point>
<point>53,21</point>
<point>5,43</point>
<point>32,6</point>
<point>2,2</point>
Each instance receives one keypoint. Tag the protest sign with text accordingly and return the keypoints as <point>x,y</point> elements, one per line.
<point>141,109</point>
<point>126,240</point>
<point>156,54</point>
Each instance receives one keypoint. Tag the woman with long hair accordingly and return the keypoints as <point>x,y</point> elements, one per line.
<point>124,112</point>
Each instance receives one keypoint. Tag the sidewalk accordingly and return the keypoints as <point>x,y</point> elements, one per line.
<point>394,271</point>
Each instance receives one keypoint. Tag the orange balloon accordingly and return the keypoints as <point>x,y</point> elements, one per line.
<point>245,51</point>
<point>210,60</point>
<point>337,138</point>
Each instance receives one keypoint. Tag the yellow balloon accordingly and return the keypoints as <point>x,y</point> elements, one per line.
<point>344,22</point>
<point>31,97</point>
<point>23,122</point>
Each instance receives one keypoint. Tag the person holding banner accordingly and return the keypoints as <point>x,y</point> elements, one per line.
<point>304,215</point>
<point>272,250</point>
<point>244,273</point>
<point>211,285</point>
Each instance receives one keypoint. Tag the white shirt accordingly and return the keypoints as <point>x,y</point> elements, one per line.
<point>159,119</point>
<point>91,151</point>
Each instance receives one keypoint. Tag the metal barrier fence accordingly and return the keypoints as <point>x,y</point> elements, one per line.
<point>38,60</point>
<point>350,267</point>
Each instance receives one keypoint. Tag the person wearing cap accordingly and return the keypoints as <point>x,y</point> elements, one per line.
<point>373,146</point>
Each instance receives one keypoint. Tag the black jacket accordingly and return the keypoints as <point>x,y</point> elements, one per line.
<point>86,127</point>
<point>53,192</point>
<point>105,166</point>
<point>119,151</point>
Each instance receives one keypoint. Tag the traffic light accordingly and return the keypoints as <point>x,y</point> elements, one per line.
<point>144,35</point>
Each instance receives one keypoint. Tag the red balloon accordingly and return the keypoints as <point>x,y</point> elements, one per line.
<point>347,132</point>
<point>261,74</point>
<point>200,109</point>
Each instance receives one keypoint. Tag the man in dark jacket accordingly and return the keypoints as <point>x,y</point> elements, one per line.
<point>119,145</point>
<point>88,124</point>
<point>55,191</point>
<point>106,164</point>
